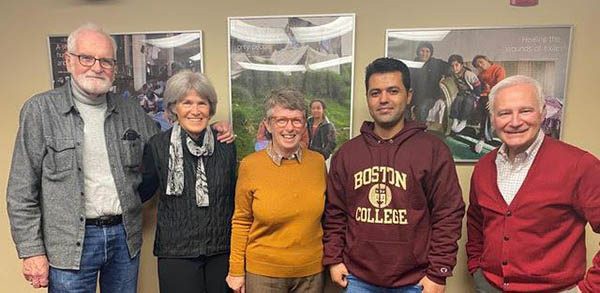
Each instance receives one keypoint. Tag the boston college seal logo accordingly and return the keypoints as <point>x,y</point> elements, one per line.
<point>380,195</point>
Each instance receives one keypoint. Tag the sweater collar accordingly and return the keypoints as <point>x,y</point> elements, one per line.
<point>82,97</point>
<point>67,104</point>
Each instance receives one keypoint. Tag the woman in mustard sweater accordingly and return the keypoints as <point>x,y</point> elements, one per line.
<point>276,241</point>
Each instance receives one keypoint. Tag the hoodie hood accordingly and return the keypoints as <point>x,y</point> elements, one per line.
<point>410,128</point>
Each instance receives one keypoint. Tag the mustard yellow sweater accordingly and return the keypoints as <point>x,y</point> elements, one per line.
<point>276,225</point>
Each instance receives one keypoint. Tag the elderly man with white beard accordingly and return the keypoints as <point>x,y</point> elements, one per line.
<point>74,209</point>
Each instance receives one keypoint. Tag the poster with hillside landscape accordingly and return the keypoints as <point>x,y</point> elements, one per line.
<point>311,53</point>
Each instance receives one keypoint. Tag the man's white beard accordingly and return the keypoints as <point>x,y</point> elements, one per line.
<point>93,86</point>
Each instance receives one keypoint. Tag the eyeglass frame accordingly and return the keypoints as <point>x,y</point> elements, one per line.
<point>279,119</point>
<point>99,60</point>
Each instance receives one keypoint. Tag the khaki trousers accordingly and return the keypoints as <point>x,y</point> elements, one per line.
<point>263,284</point>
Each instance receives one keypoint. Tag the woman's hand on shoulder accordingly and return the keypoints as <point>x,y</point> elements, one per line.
<point>224,132</point>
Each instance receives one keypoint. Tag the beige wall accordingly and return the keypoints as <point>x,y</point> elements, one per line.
<point>25,24</point>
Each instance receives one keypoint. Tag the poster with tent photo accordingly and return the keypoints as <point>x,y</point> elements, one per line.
<point>310,53</point>
<point>144,63</point>
<point>453,69</point>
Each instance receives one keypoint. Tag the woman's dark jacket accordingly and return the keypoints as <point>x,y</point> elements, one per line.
<point>323,140</point>
<point>184,229</point>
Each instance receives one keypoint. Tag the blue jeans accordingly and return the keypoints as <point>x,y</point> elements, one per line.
<point>355,285</point>
<point>105,252</point>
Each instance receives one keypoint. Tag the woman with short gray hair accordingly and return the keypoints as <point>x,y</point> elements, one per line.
<point>195,177</point>
<point>276,242</point>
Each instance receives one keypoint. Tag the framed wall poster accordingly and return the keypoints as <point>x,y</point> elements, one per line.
<point>311,53</point>
<point>449,65</point>
<point>144,63</point>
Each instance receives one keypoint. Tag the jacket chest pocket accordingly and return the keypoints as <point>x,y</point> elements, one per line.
<point>60,156</point>
<point>131,152</point>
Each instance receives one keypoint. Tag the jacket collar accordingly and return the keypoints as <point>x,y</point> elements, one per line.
<point>325,121</point>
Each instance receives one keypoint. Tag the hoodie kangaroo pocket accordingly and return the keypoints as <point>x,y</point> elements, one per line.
<point>384,257</point>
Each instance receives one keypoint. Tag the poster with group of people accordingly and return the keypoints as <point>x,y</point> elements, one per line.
<point>453,70</point>
<point>144,63</point>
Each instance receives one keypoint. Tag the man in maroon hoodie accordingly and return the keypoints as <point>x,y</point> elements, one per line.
<point>394,209</point>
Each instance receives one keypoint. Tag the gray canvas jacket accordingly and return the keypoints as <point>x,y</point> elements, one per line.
<point>45,196</point>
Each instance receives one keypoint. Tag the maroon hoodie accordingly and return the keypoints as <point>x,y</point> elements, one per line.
<point>394,208</point>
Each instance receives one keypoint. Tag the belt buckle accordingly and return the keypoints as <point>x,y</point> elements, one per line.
<point>106,220</point>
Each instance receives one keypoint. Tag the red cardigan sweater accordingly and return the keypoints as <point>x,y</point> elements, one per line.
<point>537,243</point>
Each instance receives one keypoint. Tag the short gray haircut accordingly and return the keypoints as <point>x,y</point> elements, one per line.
<point>514,81</point>
<point>286,98</point>
<point>74,36</point>
<point>179,85</point>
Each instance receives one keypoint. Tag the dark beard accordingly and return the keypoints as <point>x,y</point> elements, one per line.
<point>389,125</point>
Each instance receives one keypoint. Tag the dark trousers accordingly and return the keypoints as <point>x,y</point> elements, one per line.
<point>482,285</point>
<point>422,108</point>
<point>462,107</point>
<point>204,274</point>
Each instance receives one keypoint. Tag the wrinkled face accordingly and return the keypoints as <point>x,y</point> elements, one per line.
<point>94,80</point>
<point>456,66</point>
<point>193,113</point>
<point>424,54</point>
<point>482,64</point>
<point>517,117</point>
<point>286,126</point>
<point>387,98</point>
<point>316,110</point>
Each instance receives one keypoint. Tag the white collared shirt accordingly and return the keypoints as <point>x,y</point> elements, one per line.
<point>510,175</point>
<point>277,157</point>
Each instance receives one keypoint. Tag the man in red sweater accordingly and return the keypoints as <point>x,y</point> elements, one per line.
<point>394,207</point>
<point>530,201</point>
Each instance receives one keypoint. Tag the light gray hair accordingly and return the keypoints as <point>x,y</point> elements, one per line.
<point>74,35</point>
<point>514,81</point>
<point>286,98</point>
<point>184,81</point>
